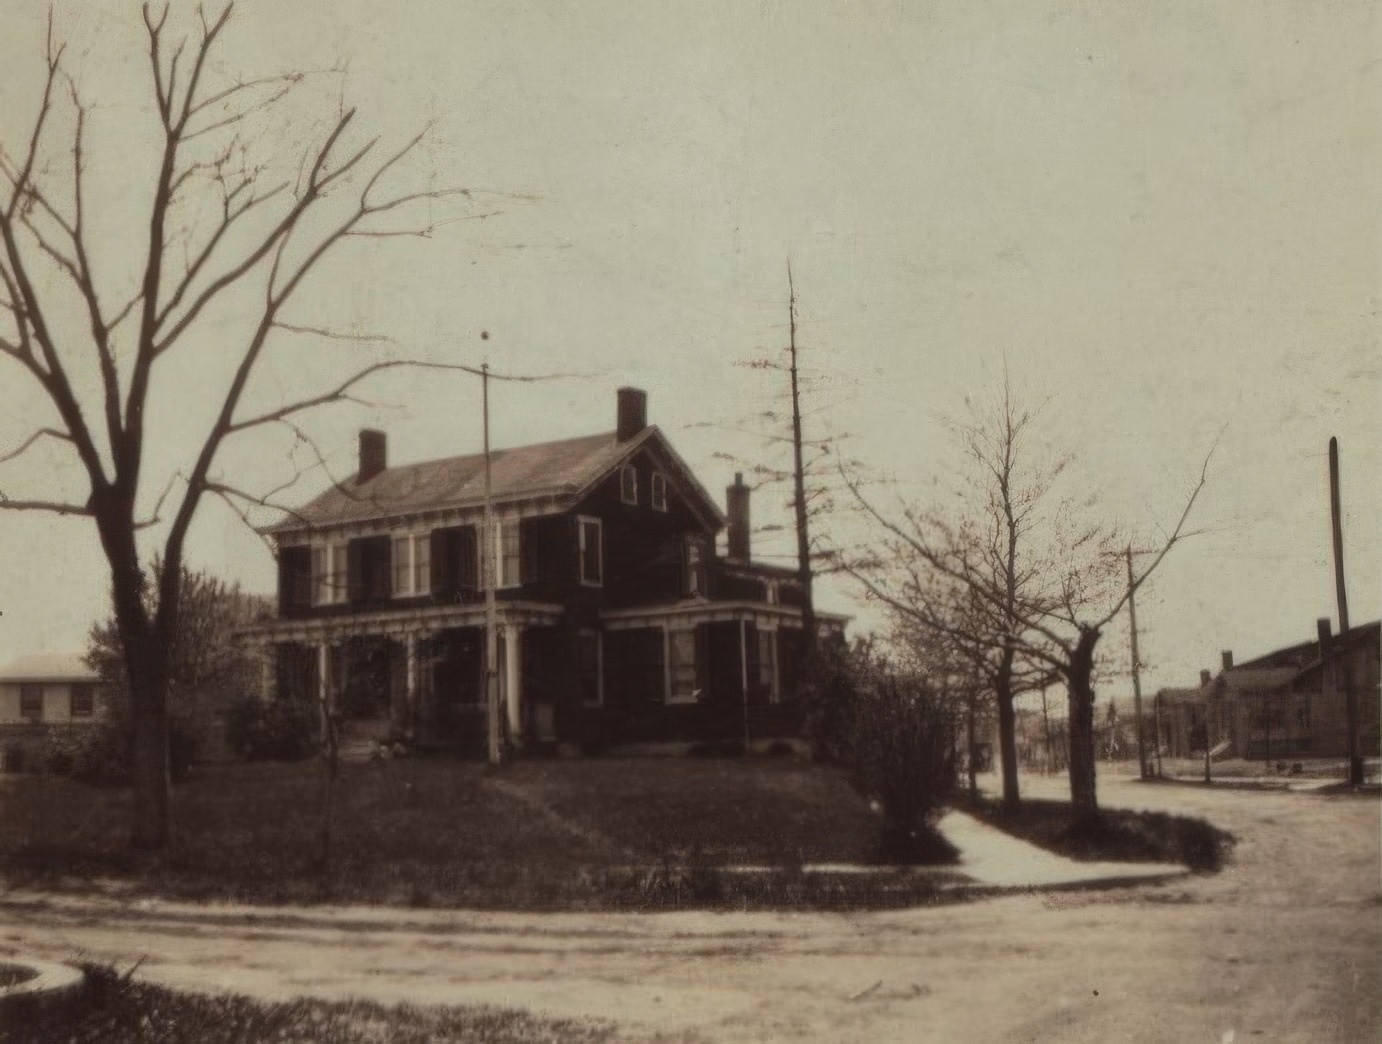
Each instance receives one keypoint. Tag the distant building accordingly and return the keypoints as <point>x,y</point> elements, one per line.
<point>617,619</point>
<point>1290,703</point>
<point>41,692</point>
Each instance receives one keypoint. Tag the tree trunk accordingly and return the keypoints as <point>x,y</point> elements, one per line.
<point>972,740</point>
<point>146,667</point>
<point>1007,732</point>
<point>1081,688</point>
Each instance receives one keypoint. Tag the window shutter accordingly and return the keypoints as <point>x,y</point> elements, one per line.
<point>466,556</point>
<point>443,579</point>
<point>752,658</point>
<point>355,571</point>
<point>294,577</point>
<point>528,531</point>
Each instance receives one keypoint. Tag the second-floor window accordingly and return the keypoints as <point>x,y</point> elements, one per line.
<point>509,559</point>
<point>695,567</point>
<point>628,484</point>
<point>412,564</point>
<point>31,702</point>
<point>328,574</point>
<point>591,553</point>
<point>659,491</point>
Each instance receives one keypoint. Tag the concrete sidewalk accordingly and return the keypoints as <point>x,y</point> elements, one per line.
<point>999,860</point>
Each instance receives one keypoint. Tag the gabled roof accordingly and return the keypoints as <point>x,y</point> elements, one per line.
<point>48,667</point>
<point>565,469</point>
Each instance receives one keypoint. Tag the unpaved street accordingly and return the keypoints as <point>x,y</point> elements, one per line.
<point>1281,946</point>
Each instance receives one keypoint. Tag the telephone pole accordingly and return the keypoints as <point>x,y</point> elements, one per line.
<point>1342,666</point>
<point>487,578</point>
<point>804,573</point>
<point>1136,677</point>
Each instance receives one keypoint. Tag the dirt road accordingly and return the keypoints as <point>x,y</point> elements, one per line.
<point>1284,945</point>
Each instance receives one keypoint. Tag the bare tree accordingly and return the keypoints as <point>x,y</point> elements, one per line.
<point>1038,587</point>
<point>998,580</point>
<point>263,240</point>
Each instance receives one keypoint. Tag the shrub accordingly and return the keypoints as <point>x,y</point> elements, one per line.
<point>276,730</point>
<point>101,752</point>
<point>904,754</point>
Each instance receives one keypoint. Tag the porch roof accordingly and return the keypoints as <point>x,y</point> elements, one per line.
<point>394,623</point>
<point>690,612</point>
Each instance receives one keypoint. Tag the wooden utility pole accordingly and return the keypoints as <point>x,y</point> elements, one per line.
<point>808,605</point>
<point>1342,671</point>
<point>491,607</point>
<point>1136,677</point>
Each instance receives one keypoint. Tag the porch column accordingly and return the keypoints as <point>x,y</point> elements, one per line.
<point>410,644</point>
<point>324,684</point>
<point>744,677</point>
<point>268,670</point>
<point>513,680</point>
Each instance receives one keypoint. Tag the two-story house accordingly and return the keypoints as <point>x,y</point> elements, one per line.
<point>617,620</point>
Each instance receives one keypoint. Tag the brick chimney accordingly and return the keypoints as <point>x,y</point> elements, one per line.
<point>737,505</point>
<point>1204,678</point>
<point>374,454</point>
<point>1227,656</point>
<point>1322,630</point>
<point>633,412</point>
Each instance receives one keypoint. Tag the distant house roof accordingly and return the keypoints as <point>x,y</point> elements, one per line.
<point>48,667</point>
<point>565,468</point>
<point>1256,679</point>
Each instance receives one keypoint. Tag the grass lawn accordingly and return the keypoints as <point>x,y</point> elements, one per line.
<point>597,833</point>
<point>130,1012</point>
<point>1122,835</point>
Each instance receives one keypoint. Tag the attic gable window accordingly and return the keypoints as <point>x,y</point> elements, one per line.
<point>659,491</point>
<point>591,552</point>
<point>628,484</point>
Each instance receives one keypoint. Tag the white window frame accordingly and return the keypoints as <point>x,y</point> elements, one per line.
<point>581,522</point>
<point>668,641</point>
<point>502,529</point>
<point>695,571</point>
<point>418,582</point>
<point>329,585</point>
<point>628,484</point>
<point>659,491</point>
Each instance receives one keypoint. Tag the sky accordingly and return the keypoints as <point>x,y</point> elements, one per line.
<point>1162,221</point>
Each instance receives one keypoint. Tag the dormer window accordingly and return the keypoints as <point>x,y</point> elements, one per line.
<point>659,494</point>
<point>628,484</point>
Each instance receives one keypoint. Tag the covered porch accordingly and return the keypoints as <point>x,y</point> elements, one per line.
<point>416,676</point>
<point>698,671</point>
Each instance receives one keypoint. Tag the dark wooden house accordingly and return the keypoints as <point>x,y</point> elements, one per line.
<point>617,620</point>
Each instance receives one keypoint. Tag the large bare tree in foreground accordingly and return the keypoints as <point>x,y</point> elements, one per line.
<point>1016,582</point>
<point>249,260</point>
